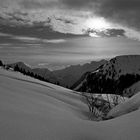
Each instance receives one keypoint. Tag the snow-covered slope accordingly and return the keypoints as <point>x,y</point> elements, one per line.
<point>35,72</point>
<point>113,77</point>
<point>133,89</point>
<point>126,107</point>
<point>34,110</point>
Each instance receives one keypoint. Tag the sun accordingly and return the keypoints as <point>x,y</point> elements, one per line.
<point>97,23</point>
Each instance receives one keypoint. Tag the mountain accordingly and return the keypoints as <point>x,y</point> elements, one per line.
<point>65,77</point>
<point>113,77</point>
<point>68,76</point>
<point>20,65</point>
<point>103,103</point>
<point>47,74</point>
<point>31,109</point>
<point>42,74</point>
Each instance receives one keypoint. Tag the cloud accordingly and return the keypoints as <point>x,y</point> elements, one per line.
<point>18,16</point>
<point>106,32</point>
<point>37,4</point>
<point>125,12</point>
<point>79,4</point>
<point>54,41</point>
<point>121,12</point>
<point>38,40</point>
<point>4,35</point>
<point>26,39</point>
<point>66,21</point>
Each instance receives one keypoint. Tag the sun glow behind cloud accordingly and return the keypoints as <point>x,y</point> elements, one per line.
<point>97,23</point>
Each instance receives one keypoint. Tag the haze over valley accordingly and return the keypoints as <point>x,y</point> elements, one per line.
<point>70,52</point>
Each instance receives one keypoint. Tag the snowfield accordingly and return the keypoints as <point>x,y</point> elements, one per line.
<point>35,110</point>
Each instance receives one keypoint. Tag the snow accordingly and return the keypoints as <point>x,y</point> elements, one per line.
<point>135,88</point>
<point>35,110</point>
<point>126,107</point>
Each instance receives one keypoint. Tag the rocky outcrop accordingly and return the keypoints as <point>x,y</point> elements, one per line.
<point>100,104</point>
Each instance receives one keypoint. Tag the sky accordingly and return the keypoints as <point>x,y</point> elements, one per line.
<point>51,25</point>
<point>74,16</point>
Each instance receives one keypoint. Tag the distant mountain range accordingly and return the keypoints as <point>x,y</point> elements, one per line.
<point>65,77</point>
<point>71,74</point>
<point>118,76</point>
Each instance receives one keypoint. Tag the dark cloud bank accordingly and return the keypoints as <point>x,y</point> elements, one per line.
<point>125,12</point>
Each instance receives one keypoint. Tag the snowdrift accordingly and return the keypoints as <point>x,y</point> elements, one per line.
<point>35,110</point>
<point>126,107</point>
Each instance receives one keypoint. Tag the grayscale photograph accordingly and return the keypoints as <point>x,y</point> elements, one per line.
<point>69,69</point>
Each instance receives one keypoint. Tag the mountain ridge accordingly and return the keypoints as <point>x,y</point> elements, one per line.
<point>65,77</point>
<point>113,77</point>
